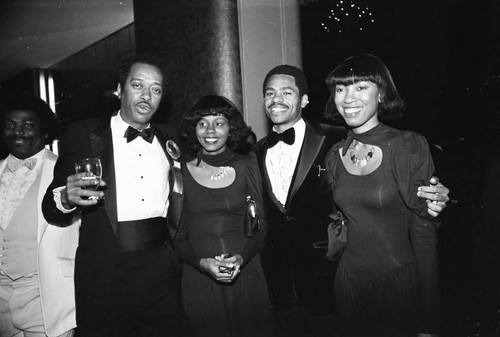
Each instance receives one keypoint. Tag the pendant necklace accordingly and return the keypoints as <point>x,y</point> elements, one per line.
<point>217,176</point>
<point>361,161</point>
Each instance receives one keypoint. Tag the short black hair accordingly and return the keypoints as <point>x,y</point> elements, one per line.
<point>153,60</point>
<point>28,102</point>
<point>366,67</point>
<point>213,105</point>
<point>286,69</point>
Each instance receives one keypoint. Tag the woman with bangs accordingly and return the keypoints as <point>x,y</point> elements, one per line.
<point>387,280</point>
<point>224,291</point>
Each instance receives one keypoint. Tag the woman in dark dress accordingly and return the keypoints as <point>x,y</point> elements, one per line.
<point>387,279</point>
<point>223,286</point>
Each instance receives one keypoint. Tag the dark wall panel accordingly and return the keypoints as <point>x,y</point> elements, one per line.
<point>85,80</point>
<point>199,41</point>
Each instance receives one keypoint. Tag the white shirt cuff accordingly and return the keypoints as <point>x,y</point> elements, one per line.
<point>57,199</point>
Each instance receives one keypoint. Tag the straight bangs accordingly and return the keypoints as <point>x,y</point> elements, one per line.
<point>353,71</point>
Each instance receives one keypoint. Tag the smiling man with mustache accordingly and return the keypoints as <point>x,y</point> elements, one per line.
<point>127,276</point>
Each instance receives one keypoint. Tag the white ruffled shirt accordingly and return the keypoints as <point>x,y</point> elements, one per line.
<point>281,160</point>
<point>14,186</point>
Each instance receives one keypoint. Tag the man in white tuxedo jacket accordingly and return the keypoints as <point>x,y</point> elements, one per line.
<point>36,258</point>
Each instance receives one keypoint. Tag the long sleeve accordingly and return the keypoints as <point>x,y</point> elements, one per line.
<point>413,167</point>
<point>331,162</point>
<point>183,248</point>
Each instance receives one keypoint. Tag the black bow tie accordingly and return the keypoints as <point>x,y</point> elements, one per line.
<point>287,137</point>
<point>147,134</point>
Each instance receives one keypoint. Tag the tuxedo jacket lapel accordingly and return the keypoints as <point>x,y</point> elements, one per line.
<point>101,143</point>
<point>308,153</point>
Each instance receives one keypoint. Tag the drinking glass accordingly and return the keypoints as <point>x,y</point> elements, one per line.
<point>93,166</point>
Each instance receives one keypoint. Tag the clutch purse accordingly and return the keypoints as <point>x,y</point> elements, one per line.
<point>252,224</point>
<point>337,237</point>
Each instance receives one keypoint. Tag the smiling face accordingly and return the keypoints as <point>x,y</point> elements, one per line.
<point>212,133</point>
<point>358,105</point>
<point>22,133</point>
<point>141,95</point>
<point>283,102</point>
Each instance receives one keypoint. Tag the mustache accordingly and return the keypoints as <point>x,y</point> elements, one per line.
<point>144,102</point>
<point>272,105</point>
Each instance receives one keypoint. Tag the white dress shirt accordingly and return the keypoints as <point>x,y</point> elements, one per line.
<point>141,170</point>
<point>281,160</point>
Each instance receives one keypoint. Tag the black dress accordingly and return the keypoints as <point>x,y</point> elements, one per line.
<point>213,225</point>
<point>387,280</point>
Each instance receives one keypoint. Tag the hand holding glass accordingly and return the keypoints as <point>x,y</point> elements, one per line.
<point>93,166</point>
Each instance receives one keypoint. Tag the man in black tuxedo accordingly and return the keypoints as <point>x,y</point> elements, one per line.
<point>299,202</point>
<point>127,279</point>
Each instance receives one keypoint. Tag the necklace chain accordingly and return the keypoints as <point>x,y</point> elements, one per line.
<point>219,175</point>
<point>363,160</point>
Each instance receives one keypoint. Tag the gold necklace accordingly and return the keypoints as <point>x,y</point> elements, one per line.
<point>363,160</point>
<point>219,175</point>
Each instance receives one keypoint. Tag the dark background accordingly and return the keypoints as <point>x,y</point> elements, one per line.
<point>444,57</point>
